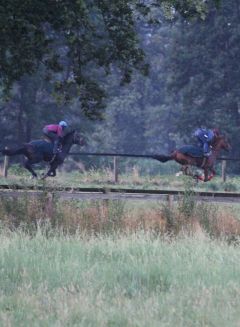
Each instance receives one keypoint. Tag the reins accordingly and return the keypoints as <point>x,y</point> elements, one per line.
<point>55,155</point>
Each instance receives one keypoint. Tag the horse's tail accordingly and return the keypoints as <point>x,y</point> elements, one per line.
<point>13,152</point>
<point>162,157</point>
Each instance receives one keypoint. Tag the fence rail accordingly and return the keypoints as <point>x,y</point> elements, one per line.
<point>129,155</point>
<point>134,155</point>
<point>82,193</point>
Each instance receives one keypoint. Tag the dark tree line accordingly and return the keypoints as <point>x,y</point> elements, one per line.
<point>151,72</point>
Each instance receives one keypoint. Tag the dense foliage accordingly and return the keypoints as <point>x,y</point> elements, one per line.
<point>68,55</point>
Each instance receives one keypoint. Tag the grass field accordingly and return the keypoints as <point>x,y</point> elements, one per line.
<point>118,280</point>
<point>119,263</point>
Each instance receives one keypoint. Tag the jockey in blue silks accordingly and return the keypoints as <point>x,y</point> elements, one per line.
<point>205,137</point>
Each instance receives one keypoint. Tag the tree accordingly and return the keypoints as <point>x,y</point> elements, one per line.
<point>79,38</point>
<point>204,71</point>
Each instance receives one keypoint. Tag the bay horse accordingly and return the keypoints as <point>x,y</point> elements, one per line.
<point>187,159</point>
<point>42,150</point>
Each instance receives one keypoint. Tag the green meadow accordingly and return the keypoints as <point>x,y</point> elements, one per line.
<point>119,263</point>
<point>136,279</point>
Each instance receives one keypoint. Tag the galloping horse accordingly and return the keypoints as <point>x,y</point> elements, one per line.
<point>42,150</point>
<point>185,157</point>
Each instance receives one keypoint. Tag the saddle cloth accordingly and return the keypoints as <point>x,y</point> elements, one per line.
<point>43,147</point>
<point>191,150</point>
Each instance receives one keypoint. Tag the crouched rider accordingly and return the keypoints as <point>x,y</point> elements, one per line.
<point>55,133</point>
<point>205,138</point>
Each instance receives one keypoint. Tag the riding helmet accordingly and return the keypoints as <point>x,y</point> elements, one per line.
<point>63,123</point>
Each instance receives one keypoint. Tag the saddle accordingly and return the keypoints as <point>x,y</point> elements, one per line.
<point>47,139</point>
<point>192,151</point>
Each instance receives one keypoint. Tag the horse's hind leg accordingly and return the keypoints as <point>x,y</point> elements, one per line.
<point>28,165</point>
<point>186,170</point>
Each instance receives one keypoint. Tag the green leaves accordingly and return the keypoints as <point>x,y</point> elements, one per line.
<point>85,34</point>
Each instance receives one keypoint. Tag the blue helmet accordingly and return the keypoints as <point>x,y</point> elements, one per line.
<point>63,123</point>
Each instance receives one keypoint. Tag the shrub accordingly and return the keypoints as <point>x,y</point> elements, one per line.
<point>230,187</point>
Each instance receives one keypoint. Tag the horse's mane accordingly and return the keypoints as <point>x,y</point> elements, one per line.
<point>67,135</point>
<point>218,138</point>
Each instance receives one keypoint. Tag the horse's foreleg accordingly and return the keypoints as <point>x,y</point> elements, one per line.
<point>206,178</point>
<point>52,171</point>
<point>28,166</point>
<point>185,170</point>
<point>213,173</point>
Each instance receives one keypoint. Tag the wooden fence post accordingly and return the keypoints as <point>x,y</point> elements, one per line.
<point>224,165</point>
<point>49,205</point>
<point>115,169</point>
<point>5,165</point>
<point>170,199</point>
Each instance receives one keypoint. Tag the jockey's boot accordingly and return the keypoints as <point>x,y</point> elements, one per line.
<point>207,154</point>
<point>55,147</point>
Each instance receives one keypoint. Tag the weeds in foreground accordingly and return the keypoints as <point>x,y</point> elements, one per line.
<point>104,217</point>
<point>192,216</point>
<point>107,216</point>
<point>70,216</point>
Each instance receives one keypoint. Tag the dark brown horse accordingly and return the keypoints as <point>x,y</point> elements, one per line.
<point>42,150</point>
<point>206,163</point>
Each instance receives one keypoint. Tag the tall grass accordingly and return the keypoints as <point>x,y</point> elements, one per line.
<point>109,263</point>
<point>118,280</point>
<point>107,216</point>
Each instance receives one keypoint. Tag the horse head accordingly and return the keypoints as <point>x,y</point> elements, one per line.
<point>78,139</point>
<point>74,138</point>
<point>220,141</point>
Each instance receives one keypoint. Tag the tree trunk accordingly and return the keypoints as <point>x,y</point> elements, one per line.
<point>20,128</point>
<point>28,130</point>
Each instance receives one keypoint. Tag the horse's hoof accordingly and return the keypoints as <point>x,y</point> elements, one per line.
<point>201,178</point>
<point>196,178</point>
<point>210,177</point>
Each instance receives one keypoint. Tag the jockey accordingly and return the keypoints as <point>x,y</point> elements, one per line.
<point>55,133</point>
<point>205,137</point>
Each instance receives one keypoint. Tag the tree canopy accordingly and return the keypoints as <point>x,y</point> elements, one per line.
<point>79,42</point>
<point>192,80</point>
